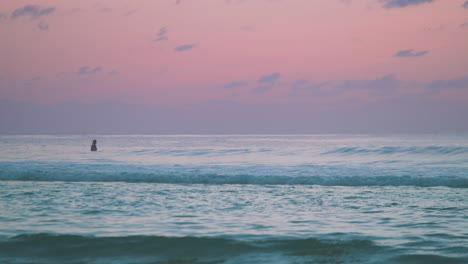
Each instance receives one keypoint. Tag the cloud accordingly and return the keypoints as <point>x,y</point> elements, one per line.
<point>396,115</point>
<point>105,10</point>
<point>113,72</point>
<point>261,89</point>
<point>34,12</point>
<point>102,8</point>
<point>434,29</point>
<point>386,85</point>
<point>436,86</point>
<point>305,88</point>
<point>461,83</point>
<point>465,5</point>
<point>177,2</point>
<point>383,86</point>
<point>403,3</point>
<point>130,12</point>
<point>235,84</point>
<point>43,25</point>
<point>76,10</point>
<point>161,35</point>
<point>266,83</point>
<point>184,47</point>
<point>464,25</point>
<point>269,78</point>
<point>2,16</point>
<point>31,82</point>
<point>410,53</point>
<point>87,70</point>
<point>299,84</point>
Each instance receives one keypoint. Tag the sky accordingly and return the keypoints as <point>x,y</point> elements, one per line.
<point>233,66</point>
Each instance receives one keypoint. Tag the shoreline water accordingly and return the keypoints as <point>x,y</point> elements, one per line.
<point>230,199</point>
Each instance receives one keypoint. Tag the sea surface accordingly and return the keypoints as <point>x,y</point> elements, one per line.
<point>234,199</point>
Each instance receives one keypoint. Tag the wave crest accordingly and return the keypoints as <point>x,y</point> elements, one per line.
<point>72,247</point>
<point>429,150</point>
<point>213,178</point>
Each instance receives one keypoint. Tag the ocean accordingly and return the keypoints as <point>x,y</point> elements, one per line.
<point>234,199</point>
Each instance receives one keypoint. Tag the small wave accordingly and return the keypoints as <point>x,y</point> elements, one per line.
<point>213,178</point>
<point>428,258</point>
<point>51,248</point>
<point>195,152</point>
<point>305,174</point>
<point>45,248</point>
<point>429,150</point>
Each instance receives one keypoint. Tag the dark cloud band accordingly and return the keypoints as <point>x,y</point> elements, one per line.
<point>85,70</point>
<point>34,12</point>
<point>411,53</point>
<point>184,47</point>
<point>403,3</point>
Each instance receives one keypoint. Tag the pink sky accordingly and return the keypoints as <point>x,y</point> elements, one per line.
<point>324,42</point>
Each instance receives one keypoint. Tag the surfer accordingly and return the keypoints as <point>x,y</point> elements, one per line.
<point>93,146</point>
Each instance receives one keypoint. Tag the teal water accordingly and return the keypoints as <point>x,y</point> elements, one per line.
<point>234,199</point>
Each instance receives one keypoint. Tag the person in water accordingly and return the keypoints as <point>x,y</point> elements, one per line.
<point>93,146</point>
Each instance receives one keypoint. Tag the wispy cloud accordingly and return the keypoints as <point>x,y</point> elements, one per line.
<point>32,11</point>
<point>437,86</point>
<point>299,84</point>
<point>185,47</point>
<point>102,8</point>
<point>465,5</point>
<point>461,83</point>
<point>113,72</point>
<point>387,85</point>
<point>305,88</point>
<point>177,2</point>
<point>235,84</point>
<point>410,53</point>
<point>161,35</point>
<point>434,29</point>
<point>105,10</point>
<point>261,89</point>
<point>266,83</point>
<point>384,86</point>
<point>464,25</point>
<point>76,10</point>
<point>32,81</point>
<point>269,78</point>
<point>403,3</point>
<point>130,12</point>
<point>85,70</point>
<point>2,16</point>
<point>43,25</point>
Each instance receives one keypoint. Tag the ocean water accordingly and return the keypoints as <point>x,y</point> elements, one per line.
<point>234,199</point>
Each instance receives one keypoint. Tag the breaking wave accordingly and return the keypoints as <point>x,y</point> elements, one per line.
<point>319,175</point>
<point>51,248</point>
<point>46,248</point>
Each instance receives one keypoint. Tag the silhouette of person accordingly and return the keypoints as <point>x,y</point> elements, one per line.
<point>93,146</point>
